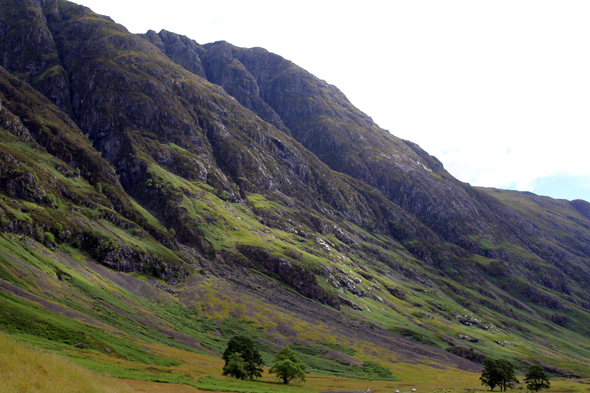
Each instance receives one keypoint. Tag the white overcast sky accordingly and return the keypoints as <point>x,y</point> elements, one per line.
<point>499,90</point>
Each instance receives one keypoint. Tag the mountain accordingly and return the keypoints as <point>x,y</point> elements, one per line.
<point>159,196</point>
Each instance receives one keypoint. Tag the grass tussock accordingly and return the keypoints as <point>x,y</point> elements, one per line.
<point>27,370</point>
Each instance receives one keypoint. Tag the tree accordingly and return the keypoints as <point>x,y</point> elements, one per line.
<point>288,366</point>
<point>252,361</point>
<point>490,375</point>
<point>498,373</point>
<point>235,366</point>
<point>507,371</point>
<point>536,378</point>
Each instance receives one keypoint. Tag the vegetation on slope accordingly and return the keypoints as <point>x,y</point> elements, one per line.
<point>24,369</point>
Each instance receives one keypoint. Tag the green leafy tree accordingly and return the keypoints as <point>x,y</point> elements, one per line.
<point>507,372</point>
<point>235,366</point>
<point>536,378</point>
<point>490,375</point>
<point>288,366</point>
<point>498,372</point>
<point>251,357</point>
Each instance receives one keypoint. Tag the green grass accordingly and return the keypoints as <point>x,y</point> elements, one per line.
<point>24,369</point>
<point>46,330</point>
<point>228,385</point>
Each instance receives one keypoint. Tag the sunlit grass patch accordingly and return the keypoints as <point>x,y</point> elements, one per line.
<point>23,369</point>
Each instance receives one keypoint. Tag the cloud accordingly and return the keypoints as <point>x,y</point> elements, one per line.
<point>536,166</point>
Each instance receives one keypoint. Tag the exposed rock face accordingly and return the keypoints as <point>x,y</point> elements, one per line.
<point>224,70</point>
<point>467,353</point>
<point>467,321</point>
<point>560,320</point>
<point>219,67</point>
<point>461,336</point>
<point>323,120</point>
<point>29,50</point>
<point>180,49</point>
<point>32,119</point>
<point>296,276</point>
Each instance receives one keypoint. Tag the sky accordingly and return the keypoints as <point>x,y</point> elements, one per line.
<point>499,91</point>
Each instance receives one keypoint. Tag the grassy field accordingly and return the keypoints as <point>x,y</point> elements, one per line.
<point>23,369</point>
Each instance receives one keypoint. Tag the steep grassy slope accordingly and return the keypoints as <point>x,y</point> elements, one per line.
<point>165,216</point>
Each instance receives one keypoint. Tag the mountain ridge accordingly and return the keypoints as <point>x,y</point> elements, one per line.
<point>439,221</point>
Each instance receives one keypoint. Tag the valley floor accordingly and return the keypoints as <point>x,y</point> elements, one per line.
<point>23,369</point>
